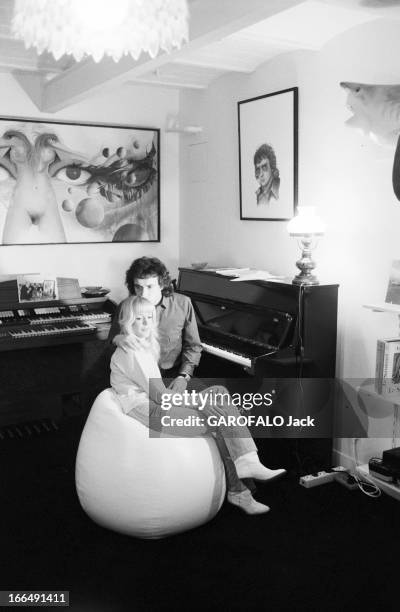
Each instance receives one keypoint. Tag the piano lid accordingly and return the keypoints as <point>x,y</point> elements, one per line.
<point>280,295</point>
<point>265,329</point>
<point>233,313</point>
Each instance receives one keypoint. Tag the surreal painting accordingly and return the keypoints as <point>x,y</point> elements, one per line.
<point>72,183</point>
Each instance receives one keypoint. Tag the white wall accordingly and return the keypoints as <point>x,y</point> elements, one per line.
<point>104,264</point>
<point>344,174</point>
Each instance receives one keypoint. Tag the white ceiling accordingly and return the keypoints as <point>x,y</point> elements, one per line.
<point>225,36</point>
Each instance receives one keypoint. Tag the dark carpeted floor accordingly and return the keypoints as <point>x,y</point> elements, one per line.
<point>321,549</point>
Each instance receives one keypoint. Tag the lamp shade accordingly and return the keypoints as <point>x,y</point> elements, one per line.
<point>306,223</point>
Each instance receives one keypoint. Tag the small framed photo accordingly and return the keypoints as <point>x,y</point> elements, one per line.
<point>36,288</point>
<point>49,292</point>
<point>268,149</point>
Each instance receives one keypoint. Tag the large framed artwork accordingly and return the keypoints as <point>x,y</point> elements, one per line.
<point>268,140</point>
<point>78,182</point>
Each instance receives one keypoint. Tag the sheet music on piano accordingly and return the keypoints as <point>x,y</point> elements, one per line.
<point>244,274</point>
<point>229,271</point>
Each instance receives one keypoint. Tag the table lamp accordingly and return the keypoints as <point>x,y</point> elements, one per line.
<point>306,226</point>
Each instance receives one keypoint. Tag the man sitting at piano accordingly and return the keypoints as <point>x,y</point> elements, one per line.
<point>180,351</point>
<point>148,277</point>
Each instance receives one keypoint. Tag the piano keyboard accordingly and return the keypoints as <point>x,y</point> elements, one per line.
<point>225,354</point>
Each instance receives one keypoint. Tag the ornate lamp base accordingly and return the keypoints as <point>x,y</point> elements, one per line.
<point>306,264</point>
<point>305,279</point>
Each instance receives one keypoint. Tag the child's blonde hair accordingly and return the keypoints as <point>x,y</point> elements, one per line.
<point>130,308</point>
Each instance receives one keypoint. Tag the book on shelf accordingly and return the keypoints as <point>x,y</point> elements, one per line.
<point>387,372</point>
<point>393,290</point>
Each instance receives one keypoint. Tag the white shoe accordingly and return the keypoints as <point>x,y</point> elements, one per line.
<point>246,502</point>
<point>249,466</point>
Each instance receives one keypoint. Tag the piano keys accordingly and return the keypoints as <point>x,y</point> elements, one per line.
<point>241,358</point>
<point>221,351</point>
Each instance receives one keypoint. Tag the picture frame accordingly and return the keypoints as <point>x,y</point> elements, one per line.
<point>49,289</point>
<point>36,288</point>
<point>68,183</point>
<point>268,156</point>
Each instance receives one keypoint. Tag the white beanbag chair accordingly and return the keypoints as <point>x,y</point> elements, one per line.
<point>142,486</point>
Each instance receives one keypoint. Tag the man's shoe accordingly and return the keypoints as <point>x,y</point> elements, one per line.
<point>246,502</point>
<point>249,466</point>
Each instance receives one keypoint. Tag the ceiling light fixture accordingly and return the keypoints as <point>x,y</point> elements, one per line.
<point>99,27</point>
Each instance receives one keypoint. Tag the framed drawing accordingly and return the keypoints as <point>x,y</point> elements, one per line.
<point>78,182</point>
<point>268,134</point>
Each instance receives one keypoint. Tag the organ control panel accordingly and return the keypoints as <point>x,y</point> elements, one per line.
<point>37,325</point>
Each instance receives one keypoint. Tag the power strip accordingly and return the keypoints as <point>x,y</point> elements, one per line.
<point>339,468</point>
<point>314,480</point>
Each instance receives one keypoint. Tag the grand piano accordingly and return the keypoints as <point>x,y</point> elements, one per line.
<point>50,351</point>
<point>271,336</point>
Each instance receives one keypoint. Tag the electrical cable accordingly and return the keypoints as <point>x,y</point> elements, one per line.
<point>299,364</point>
<point>395,424</point>
<point>365,484</point>
<point>300,344</point>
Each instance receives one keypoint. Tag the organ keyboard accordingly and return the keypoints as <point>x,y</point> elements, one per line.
<point>34,325</point>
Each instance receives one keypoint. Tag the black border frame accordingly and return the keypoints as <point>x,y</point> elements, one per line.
<point>98,125</point>
<point>295,91</point>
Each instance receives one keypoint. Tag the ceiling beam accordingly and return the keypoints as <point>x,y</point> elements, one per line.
<point>210,20</point>
<point>165,82</point>
<point>215,65</point>
<point>32,83</point>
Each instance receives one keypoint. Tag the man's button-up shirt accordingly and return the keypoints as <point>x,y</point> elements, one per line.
<point>177,331</point>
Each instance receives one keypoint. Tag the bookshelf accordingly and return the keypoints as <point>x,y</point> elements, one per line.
<point>390,403</point>
<point>386,353</point>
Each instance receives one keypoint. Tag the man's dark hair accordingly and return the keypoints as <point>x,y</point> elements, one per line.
<point>265,151</point>
<point>143,267</point>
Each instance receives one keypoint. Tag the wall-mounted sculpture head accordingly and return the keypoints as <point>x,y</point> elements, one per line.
<point>376,112</point>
